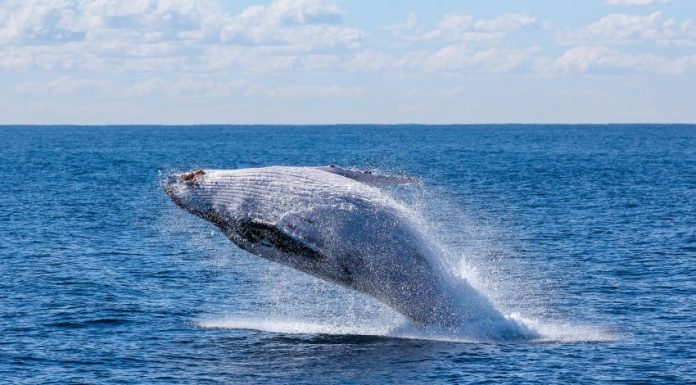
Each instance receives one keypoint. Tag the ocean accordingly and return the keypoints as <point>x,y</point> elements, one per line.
<point>585,232</point>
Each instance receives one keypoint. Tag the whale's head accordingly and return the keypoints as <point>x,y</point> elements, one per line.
<point>245,207</point>
<point>193,192</point>
<point>251,210</point>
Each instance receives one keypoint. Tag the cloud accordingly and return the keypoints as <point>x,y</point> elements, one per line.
<point>301,23</point>
<point>306,92</point>
<point>585,59</point>
<point>60,21</point>
<point>371,61</point>
<point>454,45</point>
<point>269,59</point>
<point>64,85</point>
<point>195,50</point>
<point>297,12</point>
<point>458,57</point>
<point>462,28</point>
<point>185,87</point>
<point>637,2</point>
<point>626,29</point>
<point>453,58</point>
<point>147,34</point>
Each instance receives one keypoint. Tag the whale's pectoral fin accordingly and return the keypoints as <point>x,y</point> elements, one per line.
<point>368,177</point>
<point>263,233</point>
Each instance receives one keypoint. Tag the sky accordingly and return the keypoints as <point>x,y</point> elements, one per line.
<point>341,61</point>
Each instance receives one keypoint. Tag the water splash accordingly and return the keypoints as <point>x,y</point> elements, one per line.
<point>300,304</point>
<point>475,255</point>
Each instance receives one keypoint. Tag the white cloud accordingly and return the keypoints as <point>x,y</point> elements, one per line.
<point>306,92</point>
<point>637,2</point>
<point>185,87</point>
<point>268,59</point>
<point>64,85</point>
<point>68,56</point>
<point>625,29</point>
<point>453,58</point>
<point>147,34</point>
<point>460,34</point>
<point>458,57</point>
<point>585,59</point>
<point>462,28</point>
<point>296,12</point>
<point>198,87</point>
<point>58,21</point>
<point>301,23</point>
<point>370,61</point>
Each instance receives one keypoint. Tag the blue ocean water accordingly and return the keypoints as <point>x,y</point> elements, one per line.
<point>587,232</point>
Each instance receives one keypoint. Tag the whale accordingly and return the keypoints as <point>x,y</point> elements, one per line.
<point>339,225</point>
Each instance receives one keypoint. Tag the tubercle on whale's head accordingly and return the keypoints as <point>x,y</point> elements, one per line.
<point>191,178</point>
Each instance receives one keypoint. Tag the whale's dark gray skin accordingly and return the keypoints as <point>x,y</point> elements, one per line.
<point>333,224</point>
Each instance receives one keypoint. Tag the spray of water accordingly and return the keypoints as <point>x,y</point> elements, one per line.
<point>301,304</point>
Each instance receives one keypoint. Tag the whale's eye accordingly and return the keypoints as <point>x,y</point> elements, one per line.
<point>192,178</point>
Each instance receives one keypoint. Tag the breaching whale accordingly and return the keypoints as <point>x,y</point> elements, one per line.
<point>337,225</point>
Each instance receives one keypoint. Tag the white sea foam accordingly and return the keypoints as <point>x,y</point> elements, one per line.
<point>550,332</point>
<point>564,331</point>
<point>292,326</point>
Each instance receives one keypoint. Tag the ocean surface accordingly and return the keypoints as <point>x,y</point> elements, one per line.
<point>587,233</point>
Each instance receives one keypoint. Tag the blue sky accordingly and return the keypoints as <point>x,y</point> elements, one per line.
<point>325,61</point>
